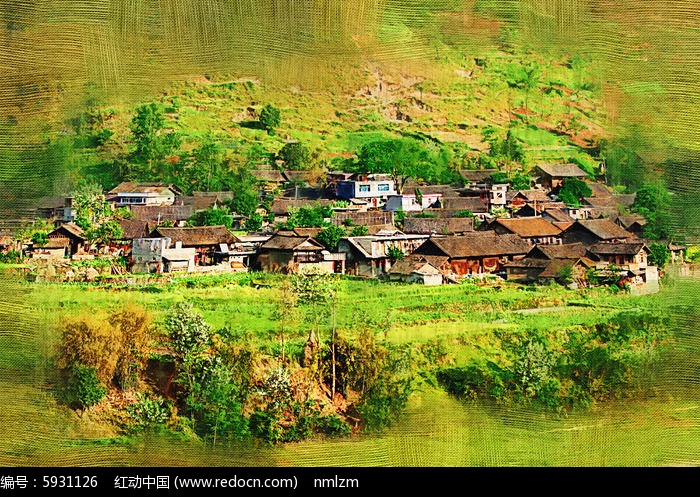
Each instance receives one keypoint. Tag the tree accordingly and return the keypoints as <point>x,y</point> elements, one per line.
<point>105,232</point>
<point>395,253</point>
<point>254,222</point>
<point>330,237</point>
<point>359,231</point>
<point>526,77</point>
<point>573,190</point>
<point>270,118</point>
<point>204,171</point>
<point>245,190</point>
<point>90,204</point>
<point>405,158</point>
<point>39,239</point>
<point>660,254</point>
<point>152,144</point>
<point>653,202</point>
<point>187,330</point>
<point>309,217</point>
<point>213,216</point>
<point>295,155</point>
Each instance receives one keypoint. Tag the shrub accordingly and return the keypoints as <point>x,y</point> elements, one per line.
<point>84,387</point>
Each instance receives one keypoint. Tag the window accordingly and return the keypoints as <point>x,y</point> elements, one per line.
<point>364,188</point>
<point>383,187</point>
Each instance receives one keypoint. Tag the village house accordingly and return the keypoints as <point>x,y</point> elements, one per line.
<point>631,255</point>
<point>552,176</point>
<point>540,257</point>
<point>537,199</point>
<point>288,252</point>
<point>534,230</point>
<point>372,187</point>
<point>452,205</point>
<point>438,225</point>
<point>65,241</point>
<point>371,255</point>
<point>269,179</point>
<point>477,179</point>
<point>156,255</point>
<point>415,269</point>
<point>498,197</point>
<point>211,243</point>
<point>175,214</point>
<point>591,231</point>
<point>56,208</point>
<point>376,218</point>
<point>477,253</point>
<point>410,202</point>
<point>634,223</point>
<point>130,193</point>
<point>131,229</point>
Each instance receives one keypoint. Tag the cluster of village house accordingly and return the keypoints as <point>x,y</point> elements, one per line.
<point>523,235</point>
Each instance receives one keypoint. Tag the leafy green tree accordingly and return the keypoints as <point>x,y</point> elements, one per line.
<point>152,143</point>
<point>309,217</point>
<point>660,254</point>
<point>520,181</point>
<point>270,118</point>
<point>359,231</point>
<point>653,202</point>
<point>90,204</point>
<point>40,238</point>
<point>330,236</point>
<point>295,155</point>
<point>245,188</point>
<point>573,190</point>
<point>205,171</point>
<point>104,233</point>
<point>254,223</point>
<point>213,216</point>
<point>395,253</point>
<point>405,158</point>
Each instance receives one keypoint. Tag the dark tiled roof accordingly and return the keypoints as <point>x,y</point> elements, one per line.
<point>600,190</point>
<point>162,212</point>
<point>477,175</point>
<point>444,190</point>
<point>534,195</point>
<point>281,206</point>
<point>73,229</point>
<point>55,243</point>
<point>565,251</point>
<point>529,227</point>
<point>603,229</point>
<point>287,240</point>
<point>268,175</point>
<point>133,228</point>
<point>479,244</point>
<point>563,170</point>
<point>617,248</point>
<point>444,225</point>
<point>626,199</point>
<point>196,236</point>
<point>133,187</point>
<point>557,215</point>
<point>307,232</point>
<point>413,264</point>
<point>473,204</point>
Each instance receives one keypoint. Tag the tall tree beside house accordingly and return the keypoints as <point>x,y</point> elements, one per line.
<point>90,204</point>
<point>245,190</point>
<point>330,236</point>
<point>104,232</point>
<point>153,143</point>
<point>404,158</point>
<point>39,238</point>
<point>270,118</point>
<point>573,190</point>
<point>205,171</point>
<point>654,202</point>
<point>504,151</point>
<point>213,216</point>
<point>295,155</point>
<point>659,254</point>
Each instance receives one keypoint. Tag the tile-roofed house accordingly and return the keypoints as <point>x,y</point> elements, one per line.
<point>288,252</point>
<point>271,176</point>
<point>67,239</point>
<point>476,177</point>
<point>565,251</point>
<point>369,255</point>
<point>625,199</point>
<point>602,206</point>
<point>533,229</point>
<point>363,218</point>
<point>622,254</point>
<point>553,175</point>
<point>178,214</point>
<point>442,225</point>
<point>590,231</point>
<point>634,223</point>
<point>475,253</point>
<point>599,190</point>
<point>579,268</point>
<point>473,204</point>
<point>556,214</point>
<point>415,269</point>
<point>306,178</point>
<point>130,193</point>
<point>212,243</point>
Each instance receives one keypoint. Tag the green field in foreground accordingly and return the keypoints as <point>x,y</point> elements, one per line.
<point>435,430</point>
